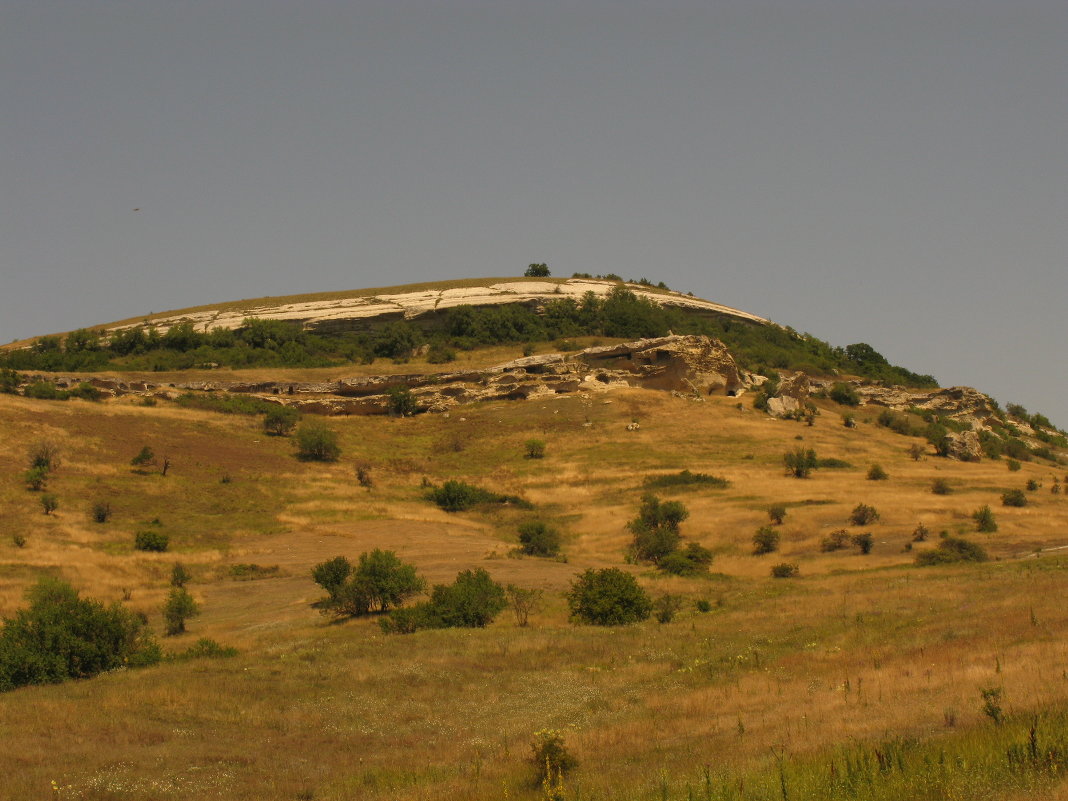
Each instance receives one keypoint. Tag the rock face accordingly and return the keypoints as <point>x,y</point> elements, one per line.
<point>695,366</point>
<point>964,446</point>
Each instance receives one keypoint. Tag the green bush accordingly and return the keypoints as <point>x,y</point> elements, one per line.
<point>457,496</point>
<point>1014,465</point>
<point>100,512</point>
<point>538,538</point>
<point>952,549</point>
<point>984,520</point>
<point>941,487</point>
<point>400,402</point>
<point>280,421</point>
<point>863,514</point>
<point>151,541</point>
<point>607,597</point>
<point>693,560</point>
<point>61,636</point>
<point>145,457</point>
<point>44,455</point>
<point>45,390</point>
<point>766,540</point>
<point>844,394</point>
<point>180,575</point>
<point>36,478</point>
<point>777,513</point>
<point>535,449</point>
<point>49,503</point>
<point>877,473</point>
<point>685,478</point>
<point>835,541</point>
<point>1013,498</point>
<point>785,570</point>
<point>537,271</point>
<point>379,582</point>
<point>550,758</point>
<point>863,542</point>
<point>473,600</point>
<point>800,463</point>
<point>317,443</point>
<point>177,609</point>
<point>656,528</point>
<point>1033,485</point>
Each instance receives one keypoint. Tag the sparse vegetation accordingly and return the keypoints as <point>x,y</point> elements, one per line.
<point>950,550</point>
<point>458,496</point>
<point>941,487</point>
<point>685,478</point>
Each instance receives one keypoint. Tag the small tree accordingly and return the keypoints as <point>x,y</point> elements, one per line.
<point>538,538</point>
<point>607,597</point>
<point>656,528</point>
<point>472,601</point>
<point>863,542</point>
<point>984,520</point>
<point>145,458</point>
<point>317,443</point>
<point>537,271</point>
<point>777,513</point>
<point>523,601</point>
<point>766,540</point>
<point>535,449</point>
<point>49,503</point>
<point>44,454</point>
<point>400,402</point>
<point>280,421</point>
<point>332,574</point>
<point>180,575</point>
<point>177,609</point>
<point>800,463</point>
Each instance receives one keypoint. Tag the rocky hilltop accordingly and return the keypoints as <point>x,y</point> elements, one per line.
<point>336,312</point>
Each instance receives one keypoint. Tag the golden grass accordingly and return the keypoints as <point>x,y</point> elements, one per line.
<point>858,649</point>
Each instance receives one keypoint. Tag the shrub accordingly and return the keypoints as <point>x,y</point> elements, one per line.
<point>177,609</point>
<point>952,549</point>
<point>36,478</point>
<point>9,381</point>
<point>835,541</point>
<point>457,496</point>
<point>685,478</point>
<point>849,421</point>
<point>49,503</point>
<point>833,463</point>
<point>280,421</point>
<point>61,636</point>
<point>692,560</point>
<point>45,390</point>
<point>607,597</point>
<point>535,448</point>
<point>656,528</point>
<point>702,605</point>
<point>984,520</point>
<point>863,514</point>
<point>777,513</point>
<point>363,477</point>
<point>766,540</point>
<point>666,606</point>
<point>523,601</point>
<point>941,487</point>
<point>920,533</point>
<point>100,512</point>
<point>332,574</point>
<point>439,354</point>
<point>18,540</point>
<point>1013,498</point>
<point>203,648</point>
<point>44,455</point>
<point>1014,465</point>
<point>800,463</point>
<point>863,542</point>
<point>537,271</point>
<point>916,451</point>
<point>400,402</point>
<point>144,458</point>
<point>537,538</point>
<point>1033,485</point>
<point>473,600</point>
<point>877,473</point>
<point>151,541</point>
<point>549,757</point>
<point>180,575</point>
<point>317,443</point>
<point>844,394</point>
<point>785,570</point>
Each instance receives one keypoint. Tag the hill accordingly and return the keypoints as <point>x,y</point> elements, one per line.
<point>862,674</point>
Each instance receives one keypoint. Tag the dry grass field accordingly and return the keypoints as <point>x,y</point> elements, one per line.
<point>788,688</point>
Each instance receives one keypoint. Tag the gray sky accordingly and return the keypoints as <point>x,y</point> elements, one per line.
<point>884,171</point>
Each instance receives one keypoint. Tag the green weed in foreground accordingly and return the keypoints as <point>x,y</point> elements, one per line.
<point>1023,755</point>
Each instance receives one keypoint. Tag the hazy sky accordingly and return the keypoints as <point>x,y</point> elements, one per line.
<point>883,171</point>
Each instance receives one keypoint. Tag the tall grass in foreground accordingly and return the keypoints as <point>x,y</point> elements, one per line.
<point>1023,756</point>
